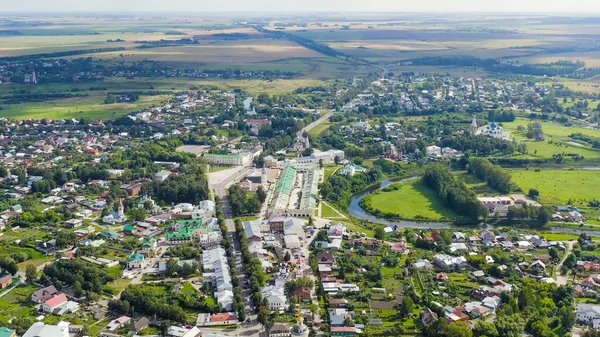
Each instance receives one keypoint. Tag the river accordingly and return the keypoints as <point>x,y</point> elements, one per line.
<point>355,210</point>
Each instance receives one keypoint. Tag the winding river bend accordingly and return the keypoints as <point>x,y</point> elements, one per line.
<point>355,210</point>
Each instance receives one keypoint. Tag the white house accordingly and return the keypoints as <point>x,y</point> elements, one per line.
<point>135,261</point>
<point>588,314</point>
<point>40,329</point>
<point>275,297</point>
<point>53,303</point>
<point>423,264</point>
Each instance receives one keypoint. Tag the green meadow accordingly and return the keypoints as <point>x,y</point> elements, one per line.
<point>411,200</point>
<point>558,186</point>
<point>556,141</point>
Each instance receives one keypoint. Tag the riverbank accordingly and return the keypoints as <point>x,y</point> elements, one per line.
<point>361,218</point>
<point>407,200</point>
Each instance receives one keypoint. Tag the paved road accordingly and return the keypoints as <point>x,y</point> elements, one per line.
<point>220,181</point>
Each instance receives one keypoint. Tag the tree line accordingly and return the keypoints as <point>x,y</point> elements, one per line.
<point>166,305</point>
<point>255,274</point>
<point>82,276</point>
<point>191,185</point>
<point>494,175</point>
<point>482,145</point>
<point>338,189</point>
<point>453,192</point>
<point>58,54</point>
<point>539,216</point>
<point>559,68</point>
<point>594,141</point>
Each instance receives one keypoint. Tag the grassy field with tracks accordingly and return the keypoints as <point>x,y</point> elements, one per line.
<point>556,141</point>
<point>559,186</point>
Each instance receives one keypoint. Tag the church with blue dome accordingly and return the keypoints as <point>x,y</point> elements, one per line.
<point>493,130</point>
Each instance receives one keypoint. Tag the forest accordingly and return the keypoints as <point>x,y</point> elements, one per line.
<point>165,304</point>
<point>81,275</point>
<point>495,176</point>
<point>453,192</point>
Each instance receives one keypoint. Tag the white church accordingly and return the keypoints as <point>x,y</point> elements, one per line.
<point>493,130</point>
<point>116,217</point>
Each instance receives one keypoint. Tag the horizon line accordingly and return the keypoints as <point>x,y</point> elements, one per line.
<point>348,11</point>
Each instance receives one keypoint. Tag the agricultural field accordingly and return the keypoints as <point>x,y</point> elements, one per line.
<point>406,38</point>
<point>556,141</point>
<point>557,187</point>
<point>591,59</point>
<point>90,103</point>
<point>92,107</point>
<point>217,52</point>
<point>412,200</point>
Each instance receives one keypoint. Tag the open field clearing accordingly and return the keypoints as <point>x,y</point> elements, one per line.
<point>403,49</point>
<point>78,107</point>
<point>169,84</point>
<point>591,59</point>
<point>591,85</point>
<point>556,138</point>
<point>477,185</point>
<point>230,52</point>
<point>558,186</point>
<point>92,106</point>
<point>591,105</point>
<point>23,45</point>
<point>399,45</point>
<point>320,129</point>
<point>208,33</point>
<point>453,71</point>
<point>411,200</point>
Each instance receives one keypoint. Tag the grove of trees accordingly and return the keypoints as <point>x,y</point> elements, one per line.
<point>494,175</point>
<point>453,192</point>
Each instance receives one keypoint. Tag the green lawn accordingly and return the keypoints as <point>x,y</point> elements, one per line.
<point>556,138</point>
<point>559,236</point>
<point>188,288</point>
<point>328,212</point>
<point>97,327</point>
<point>558,186</point>
<point>248,218</point>
<point>329,169</point>
<point>320,129</point>
<point>17,303</point>
<point>121,284</point>
<point>477,185</point>
<point>360,229</point>
<point>412,200</point>
<point>390,282</point>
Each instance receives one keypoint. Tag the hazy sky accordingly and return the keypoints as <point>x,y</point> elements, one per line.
<point>542,6</point>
